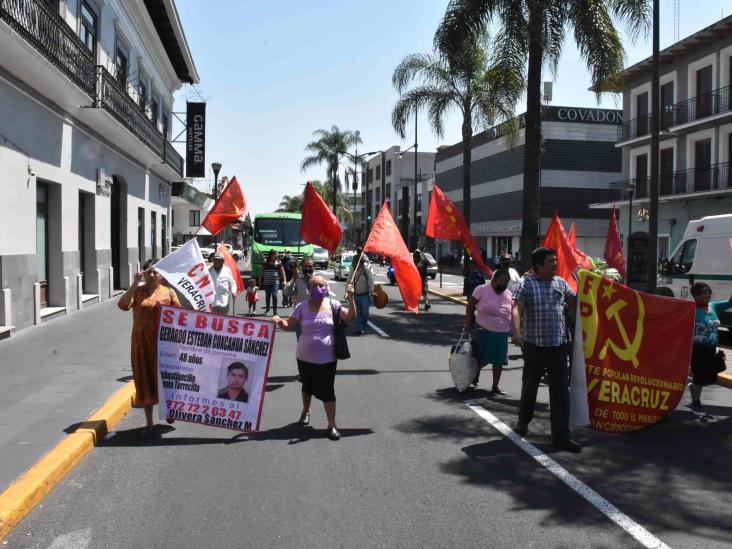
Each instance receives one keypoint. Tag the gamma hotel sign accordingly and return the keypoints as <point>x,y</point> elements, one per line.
<point>196,140</point>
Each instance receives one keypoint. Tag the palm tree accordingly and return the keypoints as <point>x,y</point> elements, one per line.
<point>290,204</point>
<point>325,189</point>
<point>531,33</point>
<point>325,150</point>
<point>481,94</point>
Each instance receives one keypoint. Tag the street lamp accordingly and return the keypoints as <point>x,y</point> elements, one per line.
<point>356,159</point>
<point>216,167</point>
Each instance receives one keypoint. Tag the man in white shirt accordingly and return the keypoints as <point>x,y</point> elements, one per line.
<point>505,263</point>
<point>223,281</point>
<point>363,283</point>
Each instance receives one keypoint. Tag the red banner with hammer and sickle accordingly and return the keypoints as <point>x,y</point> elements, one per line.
<point>635,348</point>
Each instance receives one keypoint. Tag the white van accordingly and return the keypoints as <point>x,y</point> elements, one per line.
<point>703,255</point>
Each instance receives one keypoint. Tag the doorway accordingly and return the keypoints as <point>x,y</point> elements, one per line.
<point>153,239</point>
<point>141,235</point>
<point>667,170</point>
<point>704,92</point>
<point>42,249</point>
<point>702,165</point>
<point>115,233</point>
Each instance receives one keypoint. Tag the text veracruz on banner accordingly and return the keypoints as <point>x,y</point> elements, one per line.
<point>212,369</point>
<point>636,351</point>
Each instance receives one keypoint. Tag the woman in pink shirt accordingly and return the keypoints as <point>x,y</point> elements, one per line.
<point>316,360</point>
<point>491,308</point>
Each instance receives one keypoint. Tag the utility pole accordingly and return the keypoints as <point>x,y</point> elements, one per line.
<point>416,111</point>
<point>652,252</point>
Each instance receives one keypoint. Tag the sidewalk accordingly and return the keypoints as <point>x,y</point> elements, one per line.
<point>54,376</point>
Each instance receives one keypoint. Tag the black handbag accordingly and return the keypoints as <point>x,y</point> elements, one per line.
<point>339,333</point>
<point>720,364</point>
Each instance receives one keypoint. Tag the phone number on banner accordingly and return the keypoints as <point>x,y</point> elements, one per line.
<point>210,415</point>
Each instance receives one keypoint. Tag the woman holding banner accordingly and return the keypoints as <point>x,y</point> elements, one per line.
<point>316,360</point>
<point>143,297</point>
<point>705,359</point>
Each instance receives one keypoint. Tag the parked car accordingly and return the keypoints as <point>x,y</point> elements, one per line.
<point>431,269</point>
<point>210,251</point>
<point>343,265</point>
<point>321,259</point>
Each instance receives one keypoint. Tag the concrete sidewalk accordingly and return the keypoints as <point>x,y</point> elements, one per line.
<point>54,376</point>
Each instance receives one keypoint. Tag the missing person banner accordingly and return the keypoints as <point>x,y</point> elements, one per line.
<point>212,369</point>
<point>631,355</point>
<point>186,272</point>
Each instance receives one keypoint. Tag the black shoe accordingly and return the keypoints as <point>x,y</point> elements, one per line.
<point>170,420</point>
<point>569,445</point>
<point>521,429</point>
<point>304,418</point>
<point>333,434</point>
<point>496,390</point>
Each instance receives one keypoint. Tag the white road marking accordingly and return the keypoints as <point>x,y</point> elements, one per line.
<point>643,536</point>
<point>376,329</point>
<point>80,539</point>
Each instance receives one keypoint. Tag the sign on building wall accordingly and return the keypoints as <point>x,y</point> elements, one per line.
<point>196,140</point>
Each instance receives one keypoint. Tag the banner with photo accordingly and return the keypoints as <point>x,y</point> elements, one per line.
<point>631,355</point>
<point>213,368</point>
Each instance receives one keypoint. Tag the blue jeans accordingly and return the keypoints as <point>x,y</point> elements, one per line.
<point>362,311</point>
<point>270,294</point>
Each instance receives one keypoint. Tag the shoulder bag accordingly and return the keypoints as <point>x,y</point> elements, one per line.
<point>339,332</point>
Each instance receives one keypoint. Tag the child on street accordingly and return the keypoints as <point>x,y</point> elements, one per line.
<point>252,297</point>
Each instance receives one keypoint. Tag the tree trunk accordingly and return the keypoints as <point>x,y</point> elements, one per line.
<point>334,184</point>
<point>467,161</point>
<point>532,148</point>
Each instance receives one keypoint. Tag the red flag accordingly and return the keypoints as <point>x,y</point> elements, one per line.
<point>567,258</point>
<point>445,221</point>
<point>384,239</point>
<point>572,236</point>
<point>613,247</point>
<point>319,225</point>
<point>582,258</point>
<point>233,267</point>
<point>229,207</point>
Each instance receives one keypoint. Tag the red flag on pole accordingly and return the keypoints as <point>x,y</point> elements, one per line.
<point>582,258</point>
<point>229,207</point>
<point>319,225</point>
<point>384,239</point>
<point>567,258</point>
<point>614,248</point>
<point>572,236</point>
<point>445,221</point>
<point>233,267</point>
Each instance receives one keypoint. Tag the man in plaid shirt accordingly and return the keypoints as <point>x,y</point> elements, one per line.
<point>541,299</point>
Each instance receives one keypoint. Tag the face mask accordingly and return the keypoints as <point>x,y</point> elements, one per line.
<point>307,271</point>
<point>316,292</point>
<point>500,288</point>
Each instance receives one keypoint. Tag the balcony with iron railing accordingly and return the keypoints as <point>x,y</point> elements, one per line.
<point>703,106</point>
<point>641,126</point>
<point>708,178</point>
<point>40,25</point>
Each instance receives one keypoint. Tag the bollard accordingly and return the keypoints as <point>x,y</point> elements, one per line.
<point>36,303</point>
<point>7,310</point>
<point>440,276</point>
<point>79,291</point>
<point>110,282</point>
<point>99,285</point>
<point>67,296</point>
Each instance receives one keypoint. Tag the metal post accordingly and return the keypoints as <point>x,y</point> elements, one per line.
<point>216,167</point>
<point>631,190</point>
<point>652,257</point>
<point>414,224</point>
<point>383,177</point>
<point>416,111</point>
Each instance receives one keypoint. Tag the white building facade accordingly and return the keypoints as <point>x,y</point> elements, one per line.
<point>86,98</point>
<point>695,142</point>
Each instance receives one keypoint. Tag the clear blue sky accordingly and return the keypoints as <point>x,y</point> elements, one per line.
<point>273,72</point>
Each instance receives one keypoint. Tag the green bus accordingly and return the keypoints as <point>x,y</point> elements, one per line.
<point>277,231</point>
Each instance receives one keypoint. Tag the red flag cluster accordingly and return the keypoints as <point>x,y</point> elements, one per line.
<point>614,248</point>
<point>569,257</point>
<point>229,207</point>
<point>445,221</point>
<point>385,239</point>
<point>319,225</point>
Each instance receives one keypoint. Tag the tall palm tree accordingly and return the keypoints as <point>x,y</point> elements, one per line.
<point>463,83</point>
<point>290,204</point>
<point>325,150</point>
<point>531,33</point>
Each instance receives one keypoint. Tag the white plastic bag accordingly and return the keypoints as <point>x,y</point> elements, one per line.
<point>463,366</point>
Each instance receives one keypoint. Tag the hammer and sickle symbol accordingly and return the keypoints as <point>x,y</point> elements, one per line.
<point>630,352</point>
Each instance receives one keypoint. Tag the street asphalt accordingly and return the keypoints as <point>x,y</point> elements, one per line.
<point>415,467</point>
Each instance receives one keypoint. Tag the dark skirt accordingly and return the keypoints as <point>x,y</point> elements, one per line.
<point>318,379</point>
<point>703,364</point>
<point>490,347</point>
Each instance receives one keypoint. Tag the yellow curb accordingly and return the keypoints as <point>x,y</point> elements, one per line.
<point>30,489</point>
<point>725,379</point>
<point>454,298</point>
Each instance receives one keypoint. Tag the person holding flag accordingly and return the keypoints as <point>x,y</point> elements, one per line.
<point>224,284</point>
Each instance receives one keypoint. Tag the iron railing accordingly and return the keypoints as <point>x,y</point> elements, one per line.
<point>703,106</point>
<point>707,178</point>
<point>641,126</point>
<point>114,99</point>
<point>172,158</point>
<point>41,26</point>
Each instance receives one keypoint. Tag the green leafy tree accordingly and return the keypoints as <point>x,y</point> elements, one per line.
<point>291,204</point>
<point>531,34</point>
<point>325,150</point>
<point>462,82</point>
